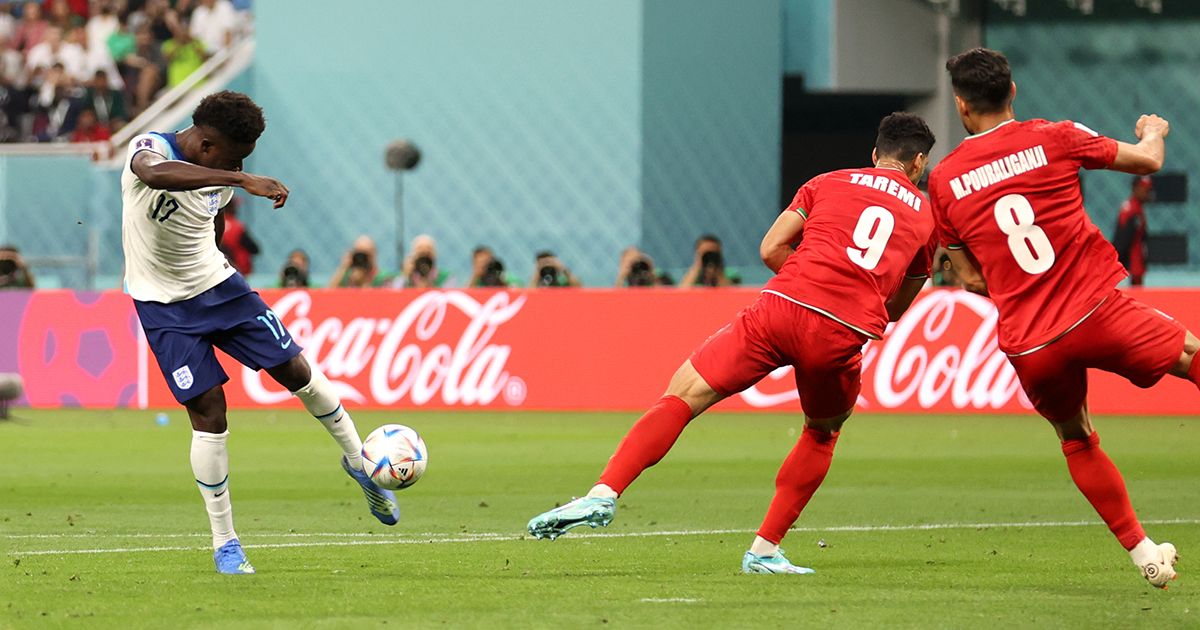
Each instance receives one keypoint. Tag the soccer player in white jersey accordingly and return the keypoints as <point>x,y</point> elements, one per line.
<point>190,300</point>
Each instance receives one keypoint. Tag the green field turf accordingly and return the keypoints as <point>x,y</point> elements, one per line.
<point>1012,543</point>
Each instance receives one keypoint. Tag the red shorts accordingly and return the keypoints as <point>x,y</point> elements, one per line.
<point>774,332</point>
<point>1122,336</point>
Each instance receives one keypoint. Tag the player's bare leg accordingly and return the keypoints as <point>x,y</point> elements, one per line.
<point>798,479</point>
<point>210,466</point>
<point>1099,480</point>
<point>321,400</point>
<point>651,437</point>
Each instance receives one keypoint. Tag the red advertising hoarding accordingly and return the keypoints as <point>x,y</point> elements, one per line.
<point>558,349</point>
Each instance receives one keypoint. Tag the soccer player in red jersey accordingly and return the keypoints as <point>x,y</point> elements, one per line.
<point>1010,213</point>
<point>866,251</point>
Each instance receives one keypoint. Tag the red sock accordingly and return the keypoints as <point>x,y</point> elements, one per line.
<point>798,479</point>
<point>1194,370</point>
<point>1100,481</point>
<point>647,442</point>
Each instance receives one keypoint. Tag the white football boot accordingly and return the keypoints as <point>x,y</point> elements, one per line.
<point>1157,562</point>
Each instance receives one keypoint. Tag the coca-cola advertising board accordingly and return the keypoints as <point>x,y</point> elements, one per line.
<point>556,349</point>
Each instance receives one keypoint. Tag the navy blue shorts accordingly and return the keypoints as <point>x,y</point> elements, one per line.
<point>229,316</point>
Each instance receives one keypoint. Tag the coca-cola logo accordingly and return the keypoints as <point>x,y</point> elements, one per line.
<point>944,353</point>
<point>438,345</point>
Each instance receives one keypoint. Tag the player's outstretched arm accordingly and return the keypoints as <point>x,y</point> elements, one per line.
<point>970,277</point>
<point>777,243</point>
<point>1147,155</point>
<point>160,173</point>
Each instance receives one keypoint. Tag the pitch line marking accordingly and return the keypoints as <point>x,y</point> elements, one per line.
<point>670,600</point>
<point>493,536</point>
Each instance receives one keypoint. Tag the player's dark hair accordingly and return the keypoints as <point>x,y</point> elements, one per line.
<point>231,113</point>
<point>902,136</point>
<point>982,78</point>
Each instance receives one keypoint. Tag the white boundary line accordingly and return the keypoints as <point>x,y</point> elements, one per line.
<point>426,539</point>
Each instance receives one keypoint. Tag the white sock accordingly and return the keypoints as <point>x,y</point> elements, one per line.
<point>322,402</point>
<point>602,491</point>
<point>210,465</point>
<point>763,547</point>
<point>1145,552</point>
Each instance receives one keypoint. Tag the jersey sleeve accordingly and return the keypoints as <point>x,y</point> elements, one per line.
<point>1084,145</point>
<point>802,203</point>
<point>149,142</point>
<point>944,232</point>
<point>922,263</point>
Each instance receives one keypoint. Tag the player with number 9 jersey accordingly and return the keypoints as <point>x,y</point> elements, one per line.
<point>862,240</point>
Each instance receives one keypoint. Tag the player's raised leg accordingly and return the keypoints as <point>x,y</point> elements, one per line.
<point>321,400</point>
<point>210,465</point>
<point>651,437</point>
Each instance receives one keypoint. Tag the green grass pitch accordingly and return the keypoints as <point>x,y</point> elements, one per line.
<point>101,526</point>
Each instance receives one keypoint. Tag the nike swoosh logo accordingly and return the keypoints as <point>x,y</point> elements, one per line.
<point>285,346</point>
<point>218,495</point>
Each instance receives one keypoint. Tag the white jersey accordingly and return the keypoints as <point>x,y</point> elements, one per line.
<point>169,237</point>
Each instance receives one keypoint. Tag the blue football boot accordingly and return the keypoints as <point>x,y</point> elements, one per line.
<point>382,502</point>
<point>231,560</point>
<point>593,511</point>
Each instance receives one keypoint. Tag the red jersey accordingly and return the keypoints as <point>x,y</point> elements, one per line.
<point>1011,197</point>
<point>865,229</point>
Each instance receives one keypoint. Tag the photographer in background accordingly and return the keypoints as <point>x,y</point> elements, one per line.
<point>295,270</point>
<point>14,273</point>
<point>708,269</point>
<point>420,266</point>
<point>636,269</point>
<point>357,267</point>
<point>548,271</point>
<point>488,271</point>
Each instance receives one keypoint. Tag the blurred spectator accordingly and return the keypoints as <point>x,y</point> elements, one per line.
<point>184,54</point>
<point>237,244</point>
<point>488,271</point>
<point>145,69</point>
<point>295,270</point>
<point>31,29</point>
<point>8,23</point>
<point>89,129</point>
<point>56,111</point>
<point>420,266</point>
<point>1130,237</point>
<point>636,269</point>
<point>63,17</point>
<point>54,50</point>
<point>107,103</point>
<point>14,273</point>
<point>101,26</point>
<point>358,266</point>
<point>549,271</point>
<point>213,24</point>
<point>708,267</point>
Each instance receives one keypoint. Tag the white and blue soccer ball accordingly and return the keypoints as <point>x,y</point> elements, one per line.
<point>394,456</point>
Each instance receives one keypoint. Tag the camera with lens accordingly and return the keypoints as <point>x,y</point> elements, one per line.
<point>712,259</point>
<point>641,274</point>
<point>362,260</point>
<point>294,276</point>
<point>422,265</point>
<point>493,274</point>
<point>8,267</point>
<point>548,276</point>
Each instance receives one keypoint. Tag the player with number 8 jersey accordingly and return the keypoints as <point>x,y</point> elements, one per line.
<point>1010,213</point>
<point>862,242</point>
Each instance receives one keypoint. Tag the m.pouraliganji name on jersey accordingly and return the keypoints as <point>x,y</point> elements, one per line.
<point>994,172</point>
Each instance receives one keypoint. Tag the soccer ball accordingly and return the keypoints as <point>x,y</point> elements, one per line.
<point>394,456</point>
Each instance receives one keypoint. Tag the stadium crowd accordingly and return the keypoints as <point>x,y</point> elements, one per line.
<point>78,70</point>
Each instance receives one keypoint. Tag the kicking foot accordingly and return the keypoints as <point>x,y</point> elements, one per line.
<point>382,502</point>
<point>1160,569</point>
<point>776,563</point>
<point>594,511</point>
<point>231,560</point>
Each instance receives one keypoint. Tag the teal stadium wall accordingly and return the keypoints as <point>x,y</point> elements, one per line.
<point>575,126</point>
<point>1105,75</point>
